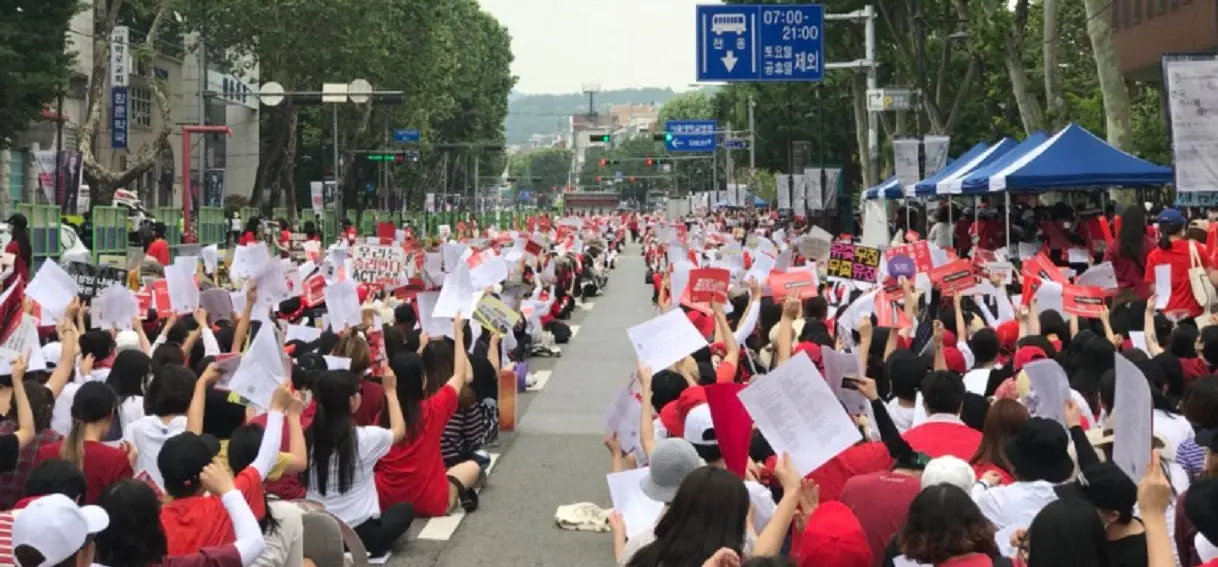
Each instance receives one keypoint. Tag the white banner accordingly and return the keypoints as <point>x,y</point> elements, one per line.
<point>936,153</point>
<point>905,160</point>
<point>783,183</point>
<point>815,194</point>
<point>316,197</point>
<point>119,73</point>
<point>799,194</point>
<point>1192,103</point>
<point>832,177</point>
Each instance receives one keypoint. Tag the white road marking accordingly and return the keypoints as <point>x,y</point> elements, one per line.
<point>588,305</point>
<point>443,528</point>
<point>540,378</point>
<point>574,331</point>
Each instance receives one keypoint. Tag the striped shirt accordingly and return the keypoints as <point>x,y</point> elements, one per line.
<point>469,429</point>
<point>6,538</point>
<point>1191,456</point>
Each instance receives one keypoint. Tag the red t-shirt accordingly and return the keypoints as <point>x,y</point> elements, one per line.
<point>1178,257</point>
<point>219,556</point>
<point>860,459</point>
<point>20,268</point>
<point>413,471</point>
<point>159,249</point>
<point>197,522</point>
<point>980,469</point>
<point>938,438</point>
<point>880,501</point>
<point>247,238</point>
<point>103,466</point>
<point>285,240</point>
<point>372,400</point>
<point>1131,272</point>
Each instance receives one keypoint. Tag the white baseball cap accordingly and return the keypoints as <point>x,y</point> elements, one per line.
<point>56,527</point>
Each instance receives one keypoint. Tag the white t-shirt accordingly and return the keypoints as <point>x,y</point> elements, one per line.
<point>977,379</point>
<point>902,417</point>
<point>149,434</point>
<point>61,413</point>
<point>360,503</point>
<point>1173,428</point>
<point>130,411</point>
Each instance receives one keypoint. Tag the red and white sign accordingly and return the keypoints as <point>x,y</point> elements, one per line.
<point>953,277</point>
<point>802,283</point>
<point>1083,300</point>
<point>708,285</point>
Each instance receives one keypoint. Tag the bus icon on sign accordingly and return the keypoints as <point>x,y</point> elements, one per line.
<point>722,23</point>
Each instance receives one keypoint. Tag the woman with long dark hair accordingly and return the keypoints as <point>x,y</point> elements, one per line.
<point>157,247</point>
<point>1128,256</point>
<point>93,411</point>
<point>414,470</point>
<point>709,512</point>
<point>1182,255</point>
<point>19,247</point>
<point>250,235</point>
<point>342,456</point>
<point>944,524</point>
<point>1066,532</point>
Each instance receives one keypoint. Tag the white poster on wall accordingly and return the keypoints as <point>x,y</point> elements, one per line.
<point>816,189</point>
<point>905,160</point>
<point>799,194</point>
<point>832,178</point>
<point>1192,102</point>
<point>782,182</point>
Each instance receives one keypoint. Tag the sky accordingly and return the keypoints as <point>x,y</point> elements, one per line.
<point>560,45</point>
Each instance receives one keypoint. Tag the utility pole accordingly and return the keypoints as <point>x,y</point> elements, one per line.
<point>728,168</point>
<point>480,206</point>
<point>202,107</point>
<point>752,135</point>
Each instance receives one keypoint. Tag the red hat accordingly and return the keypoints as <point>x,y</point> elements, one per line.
<point>718,349</point>
<point>1008,335</point>
<point>703,322</point>
<point>955,359</point>
<point>1028,354</point>
<point>949,339</point>
<point>833,537</point>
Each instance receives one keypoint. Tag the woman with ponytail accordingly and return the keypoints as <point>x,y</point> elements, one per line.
<point>1179,252</point>
<point>93,412</point>
<point>19,247</point>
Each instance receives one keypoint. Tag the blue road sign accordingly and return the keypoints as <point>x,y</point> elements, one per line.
<point>411,155</point>
<point>774,42</point>
<point>690,135</point>
<point>406,135</point>
<point>617,176</point>
<point>735,144</point>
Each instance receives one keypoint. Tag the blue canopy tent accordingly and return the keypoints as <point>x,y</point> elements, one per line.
<point>1075,157</point>
<point>759,202</point>
<point>926,187</point>
<point>950,184</point>
<point>978,182</point>
<point>889,189</point>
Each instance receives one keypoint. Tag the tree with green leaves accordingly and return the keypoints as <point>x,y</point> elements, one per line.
<point>547,169</point>
<point>35,60</point>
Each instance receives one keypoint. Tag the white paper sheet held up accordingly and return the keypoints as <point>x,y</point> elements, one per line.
<point>797,413</point>
<point>261,369</point>
<point>664,340</point>
<point>53,288</point>
<point>1162,286</point>
<point>1132,415</point>
<point>1050,389</point>
<point>638,511</point>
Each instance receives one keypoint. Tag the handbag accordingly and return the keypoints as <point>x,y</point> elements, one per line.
<point>1199,281</point>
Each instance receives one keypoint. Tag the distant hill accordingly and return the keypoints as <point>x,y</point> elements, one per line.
<point>530,114</point>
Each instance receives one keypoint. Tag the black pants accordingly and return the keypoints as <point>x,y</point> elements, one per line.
<point>379,534</point>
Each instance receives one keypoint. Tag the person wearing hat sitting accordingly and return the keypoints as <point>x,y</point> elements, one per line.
<point>1039,452</point>
<point>55,531</point>
<point>1114,495</point>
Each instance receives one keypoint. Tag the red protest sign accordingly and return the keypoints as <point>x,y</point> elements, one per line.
<point>1042,267</point>
<point>1083,300</point>
<point>919,251</point>
<point>802,283</point>
<point>953,277</point>
<point>708,284</point>
<point>314,290</point>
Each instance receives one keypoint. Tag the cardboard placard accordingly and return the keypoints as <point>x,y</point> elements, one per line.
<point>801,282</point>
<point>92,279</point>
<point>1083,300</point>
<point>377,264</point>
<point>953,277</point>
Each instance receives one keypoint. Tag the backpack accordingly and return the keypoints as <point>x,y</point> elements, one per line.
<point>561,332</point>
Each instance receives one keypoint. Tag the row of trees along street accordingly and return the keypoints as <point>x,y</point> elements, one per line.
<point>451,60</point>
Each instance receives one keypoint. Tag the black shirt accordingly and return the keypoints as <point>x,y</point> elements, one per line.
<point>1129,551</point>
<point>10,451</point>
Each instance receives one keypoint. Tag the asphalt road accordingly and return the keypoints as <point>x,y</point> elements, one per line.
<point>555,457</point>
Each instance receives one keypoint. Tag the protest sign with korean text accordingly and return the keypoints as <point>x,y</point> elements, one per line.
<point>377,264</point>
<point>853,262</point>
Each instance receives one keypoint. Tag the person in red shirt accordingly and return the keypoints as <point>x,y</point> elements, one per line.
<point>943,433</point>
<point>158,249</point>
<point>93,412</point>
<point>1128,255</point>
<point>285,239</point>
<point>1182,255</point>
<point>19,247</point>
<point>250,236</point>
<point>414,471</point>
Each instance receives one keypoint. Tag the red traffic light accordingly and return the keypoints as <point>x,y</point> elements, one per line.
<point>650,162</point>
<point>604,162</point>
<point>632,179</point>
<point>598,179</point>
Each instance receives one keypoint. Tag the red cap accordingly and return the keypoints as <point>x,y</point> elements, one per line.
<point>955,359</point>
<point>833,537</point>
<point>1028,354</point>
<point>813,350</point>
<point>1008,335</point>
<point>718,349</point>
<point>949,339</point>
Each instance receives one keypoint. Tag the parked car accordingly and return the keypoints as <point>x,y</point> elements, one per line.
<point>73,249</point>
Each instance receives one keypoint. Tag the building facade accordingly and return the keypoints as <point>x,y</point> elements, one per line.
<point>231,161</point>
<point>1145,30</point>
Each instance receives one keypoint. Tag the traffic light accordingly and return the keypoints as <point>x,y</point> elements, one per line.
<point>599,138</point>
<point>662,137</point>
<point>649,162</point>
<point>605,162</point>
<point>598,179</point>
<point>632,179</point>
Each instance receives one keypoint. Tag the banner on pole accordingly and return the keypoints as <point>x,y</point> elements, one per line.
<point>783,183</point>
<point>816,188</point>
<point>905,160</point>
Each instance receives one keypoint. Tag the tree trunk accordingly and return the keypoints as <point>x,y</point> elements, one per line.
<point>860,129</point>
<point>1055,102</point>
<point>1030,113</point>
<point>1118,115</point>
<point>105,15</point>
<point>274,140</point>
<point>289,166</point>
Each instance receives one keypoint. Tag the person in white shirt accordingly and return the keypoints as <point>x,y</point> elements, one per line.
<point>171,395</point>
<point>941,232</point>
<point>342,457</point>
